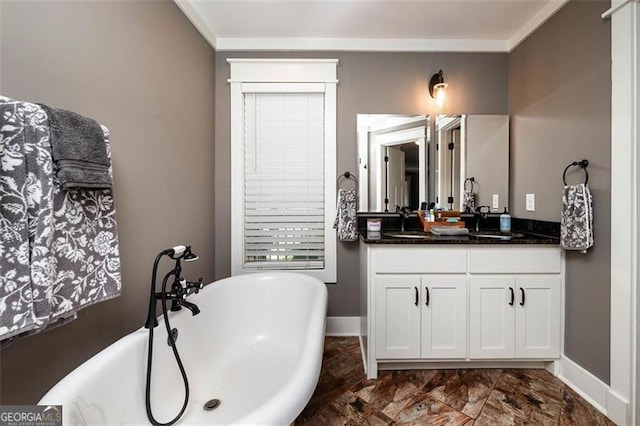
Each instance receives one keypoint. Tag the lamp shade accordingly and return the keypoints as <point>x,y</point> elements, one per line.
<point>437,88</point>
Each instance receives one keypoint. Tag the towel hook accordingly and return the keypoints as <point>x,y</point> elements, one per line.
<point>347,175</point>
<point>583,165</point>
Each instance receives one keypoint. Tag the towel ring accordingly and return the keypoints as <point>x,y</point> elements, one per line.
<point>349,176</point>
<point>470,180</point>
<point>583,164</point>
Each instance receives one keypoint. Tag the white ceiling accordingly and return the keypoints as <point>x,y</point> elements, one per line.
<point>368,25</point>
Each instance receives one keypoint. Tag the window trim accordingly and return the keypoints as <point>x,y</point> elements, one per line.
<point>283,75</point>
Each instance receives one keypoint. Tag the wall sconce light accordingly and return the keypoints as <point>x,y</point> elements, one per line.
<point>437,88</point>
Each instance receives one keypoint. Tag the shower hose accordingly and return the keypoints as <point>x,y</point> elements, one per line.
<point>172,343</point>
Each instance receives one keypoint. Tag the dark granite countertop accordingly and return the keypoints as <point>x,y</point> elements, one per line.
<point>526,231</point>
<point>428,238</point>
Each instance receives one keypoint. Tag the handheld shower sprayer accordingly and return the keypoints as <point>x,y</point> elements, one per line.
<point>181,253</point>
<point>176,251</point>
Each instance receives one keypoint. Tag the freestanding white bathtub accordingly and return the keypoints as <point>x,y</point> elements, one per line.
<point>256,346</point>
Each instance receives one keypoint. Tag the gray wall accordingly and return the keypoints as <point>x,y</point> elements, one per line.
<point>369,83</point>
<point>143,70</point>
<point>560,107</point>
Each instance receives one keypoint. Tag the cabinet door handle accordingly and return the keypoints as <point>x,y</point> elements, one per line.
<point>513,296</point>
<point>416,289</point>
<point>522,293</point>
<point>427,290</point>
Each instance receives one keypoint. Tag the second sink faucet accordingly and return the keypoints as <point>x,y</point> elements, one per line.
<point>405,213</point>
<point>481,213</point>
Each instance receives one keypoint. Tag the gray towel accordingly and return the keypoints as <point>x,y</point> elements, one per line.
<point>448,230</point>
<point>346,221</point>
<point>576,224</point>
<point>78,150</point>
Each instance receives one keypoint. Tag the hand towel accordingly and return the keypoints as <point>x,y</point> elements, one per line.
<point>468,201</point>
<point>576,224</point>
<point>78,150</point>
<point>448,230</point>
<point>346,221</point>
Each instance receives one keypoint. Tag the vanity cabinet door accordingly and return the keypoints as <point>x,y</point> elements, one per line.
<point>444,316</point>
<point>397,316</point>
<point>538,316</point>
<point>491,316</point>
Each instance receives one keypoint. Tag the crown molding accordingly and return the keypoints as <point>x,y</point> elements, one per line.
<point>534,23</point>
<point>365,45</point>
<point>187,7</point>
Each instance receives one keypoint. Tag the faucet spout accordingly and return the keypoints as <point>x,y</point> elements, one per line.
<point>190,306</point>
<point>404,214</point>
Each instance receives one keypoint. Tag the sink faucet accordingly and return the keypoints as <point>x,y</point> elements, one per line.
<point>481,213</point>
<point>180,288</point>
<point>404,214</point>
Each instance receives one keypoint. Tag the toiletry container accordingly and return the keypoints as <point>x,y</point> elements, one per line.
<point>505,222</point>
<point>374,225</point>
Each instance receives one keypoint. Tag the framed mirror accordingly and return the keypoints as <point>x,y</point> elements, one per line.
<point>472,157</point>
<point>404,160</point>
<point>393,158</point>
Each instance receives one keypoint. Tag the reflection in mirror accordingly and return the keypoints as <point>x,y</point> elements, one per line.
<point>417,171</point>
<point>393,158</point>
<point>448,167</point>
<point>472,161</point>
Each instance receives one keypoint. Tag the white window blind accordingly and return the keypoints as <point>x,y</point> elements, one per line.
<point>284,178</point>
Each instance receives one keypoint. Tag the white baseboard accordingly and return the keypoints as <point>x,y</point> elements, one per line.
<point>362,352</point>
<point>585,384</point>
<point>618,409</point>
<point>343,326</point>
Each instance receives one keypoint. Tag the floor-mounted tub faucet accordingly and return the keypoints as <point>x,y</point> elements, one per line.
<point>180,289</point>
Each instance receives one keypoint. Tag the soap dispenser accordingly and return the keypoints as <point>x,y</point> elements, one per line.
<point>505,222</point>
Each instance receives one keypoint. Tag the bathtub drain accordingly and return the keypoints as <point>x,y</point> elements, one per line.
<point>211,404</point>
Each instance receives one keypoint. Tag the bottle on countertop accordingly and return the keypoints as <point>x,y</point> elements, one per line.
<point>505,222</point>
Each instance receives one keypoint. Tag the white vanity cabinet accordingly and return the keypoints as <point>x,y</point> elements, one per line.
<point>397,316</point>
<point>421,316</point>
<point>515,302</point>
<point>444,317</point>
<point>514,317</point>
<point>430,306</point>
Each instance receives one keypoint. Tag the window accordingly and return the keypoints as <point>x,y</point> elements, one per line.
<point>283,166</point>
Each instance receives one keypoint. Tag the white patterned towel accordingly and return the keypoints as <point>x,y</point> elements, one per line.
<point>468,201</point>
<point>58,248</point>
<point>576,224</point>
<point>346,221</point>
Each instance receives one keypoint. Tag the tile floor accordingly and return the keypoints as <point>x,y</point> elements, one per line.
<point>344,396</point>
